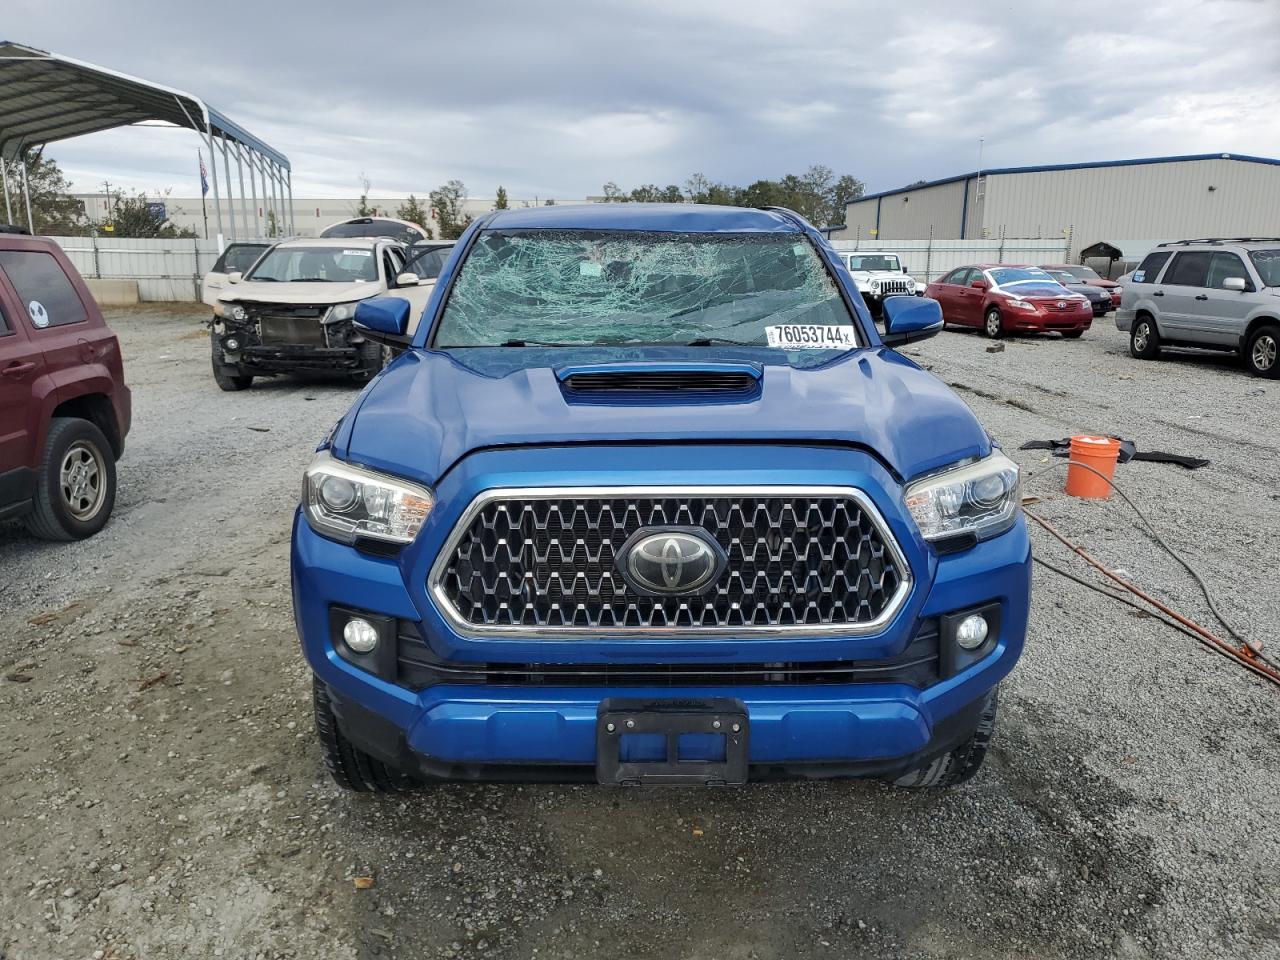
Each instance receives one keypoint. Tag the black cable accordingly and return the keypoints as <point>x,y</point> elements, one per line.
<point>1195,574</point>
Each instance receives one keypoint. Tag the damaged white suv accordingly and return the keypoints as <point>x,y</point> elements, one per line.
<point>292,312</point>
<point>879,276</point>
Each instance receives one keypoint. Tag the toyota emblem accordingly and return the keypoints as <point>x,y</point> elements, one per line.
<point>671,562</point>
<point>1062,304</point>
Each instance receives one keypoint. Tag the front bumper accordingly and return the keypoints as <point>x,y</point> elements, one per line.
<point>1047,322</point>
<point>1124,319</point>
<point>495,729</point>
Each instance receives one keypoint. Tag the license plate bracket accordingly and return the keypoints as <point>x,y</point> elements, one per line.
<point>620,716</point>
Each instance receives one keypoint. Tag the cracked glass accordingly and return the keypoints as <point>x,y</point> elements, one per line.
<point>576,288</point>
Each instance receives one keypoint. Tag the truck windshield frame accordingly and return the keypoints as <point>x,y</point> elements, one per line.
<point>560,287</point>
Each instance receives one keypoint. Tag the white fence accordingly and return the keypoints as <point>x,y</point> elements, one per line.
<point>163,269</point>
<point>929,259</point>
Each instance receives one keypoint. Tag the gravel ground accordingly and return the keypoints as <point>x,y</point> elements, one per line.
<point>161,794</point>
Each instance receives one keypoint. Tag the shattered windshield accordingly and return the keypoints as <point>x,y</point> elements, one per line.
<point>316,265</point>
<point>1267,263</point>
<point>578,287</point>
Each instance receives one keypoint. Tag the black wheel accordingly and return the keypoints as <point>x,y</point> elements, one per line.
<point>374,357</point>
<point>993,324</point>
<point>963,762</point>
<point>351,767</point>
<point>76,482</point>
<point>1261,352</point>
<point>227,376</point>
<point>1144,338</point>
<point>1072,334</point>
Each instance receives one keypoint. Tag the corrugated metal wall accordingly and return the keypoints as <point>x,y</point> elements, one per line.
<point>1120,204</point>
<point>164,269</point>
<point>907,215</point>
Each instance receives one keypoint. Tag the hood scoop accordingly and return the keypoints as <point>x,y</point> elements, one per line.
<point>661,382</point>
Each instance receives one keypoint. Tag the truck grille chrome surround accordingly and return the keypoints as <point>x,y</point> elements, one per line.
<point>542,563</point>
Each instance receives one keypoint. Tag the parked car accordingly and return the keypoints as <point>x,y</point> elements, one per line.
<point>646,500</point>
<point>235,258</point>
<point>1003,298</point>
<point>292,312</point>
<point>879,275</point>
<point>1210,294</point>
<point>64,406</point>
<point>401,231</point>
<point>1098,298</point>
<point>1087,276</point>
<point>425,259</point>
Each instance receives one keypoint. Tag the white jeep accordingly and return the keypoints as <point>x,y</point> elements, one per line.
<point>878,276</point>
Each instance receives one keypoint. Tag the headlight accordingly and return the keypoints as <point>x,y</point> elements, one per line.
<point>911,285</point>
<point>344,502</point>
<point>980,499</point>
<point>230,311</point>
<point>1021,304</point>
<point>340,311</point>
<point>875,286</point>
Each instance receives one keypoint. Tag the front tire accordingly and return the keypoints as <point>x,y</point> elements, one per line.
<point>1262,352</point>
<point>993,323</point>
<point>959,765</point>
<point>350,767</point>
<point>76,482</point>
<point>227,376</point>
<point>1144,339</point>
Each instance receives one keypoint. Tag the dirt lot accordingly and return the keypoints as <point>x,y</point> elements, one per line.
<point>161,794</point>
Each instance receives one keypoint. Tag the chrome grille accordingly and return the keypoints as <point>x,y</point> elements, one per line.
<point>544,562</point>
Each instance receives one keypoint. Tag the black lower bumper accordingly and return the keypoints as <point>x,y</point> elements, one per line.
<point>285,358</point>
<point>377,736</point>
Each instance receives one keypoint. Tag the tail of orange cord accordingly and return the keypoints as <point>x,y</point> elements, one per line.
<point>1100,453</point>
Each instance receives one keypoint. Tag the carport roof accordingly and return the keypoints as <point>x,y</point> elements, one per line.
<point>46,97</point>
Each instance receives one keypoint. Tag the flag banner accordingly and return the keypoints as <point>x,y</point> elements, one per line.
<point>204,175</point>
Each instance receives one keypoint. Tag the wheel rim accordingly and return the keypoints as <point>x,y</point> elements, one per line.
<point>1140,337</point>
<point>993,323</point>
<point>1264,352</point>
<point>82,480</point>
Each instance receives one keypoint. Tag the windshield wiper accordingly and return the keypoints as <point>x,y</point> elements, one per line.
<point>312,280</point>
<point>721,341</point>
<point>539,343</point>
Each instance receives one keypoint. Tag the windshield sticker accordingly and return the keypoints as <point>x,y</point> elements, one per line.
<point>357,253</point>
<point>588,269</point>
<point>39,316</point>
<point>798,249</point>
<point>810,336</point>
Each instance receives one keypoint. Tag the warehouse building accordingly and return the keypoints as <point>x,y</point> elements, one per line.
<point>1128,204</point>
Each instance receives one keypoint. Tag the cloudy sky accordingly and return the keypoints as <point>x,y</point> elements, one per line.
<point>554,98</point>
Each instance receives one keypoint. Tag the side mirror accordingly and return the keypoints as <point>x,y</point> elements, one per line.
<point>978,284</point>
<point>1234,283</point>
<point>907,319</point>
<point>385,319</point>
<point>234,276</point>
<point>407,279</point>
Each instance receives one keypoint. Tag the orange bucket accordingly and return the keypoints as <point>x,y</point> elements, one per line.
<point>1100,453</point>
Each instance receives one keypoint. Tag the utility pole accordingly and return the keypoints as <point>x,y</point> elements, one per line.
<point>980,142</point>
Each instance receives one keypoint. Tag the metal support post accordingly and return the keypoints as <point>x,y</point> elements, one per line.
<point>26,189</point>
<point>4,180</point>
<point>231,206</point>
<point>292,228</point>
<point>244,210</point>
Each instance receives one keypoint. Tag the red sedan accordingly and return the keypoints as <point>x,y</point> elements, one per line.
<point>1003,298</point>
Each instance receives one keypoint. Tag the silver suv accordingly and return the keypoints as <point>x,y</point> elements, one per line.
<point>1209,294</point>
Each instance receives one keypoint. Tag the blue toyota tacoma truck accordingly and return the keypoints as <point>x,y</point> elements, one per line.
<point>647,498</point>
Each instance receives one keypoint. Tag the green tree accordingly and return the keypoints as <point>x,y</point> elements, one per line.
<point>549,202</point>
<point>501,202</point>
<point>413,211</point>
<point>846,190</point>
<point>362,208</point>
<point>273,227</point>
<point>448,204</point>
<point>613,193</point>
<point>137,218</point>
<point>54,212</point>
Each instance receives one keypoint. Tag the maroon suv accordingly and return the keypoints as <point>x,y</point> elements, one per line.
<point>64,408</point>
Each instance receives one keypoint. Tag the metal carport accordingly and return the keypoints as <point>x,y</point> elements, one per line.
<point>45,97</point>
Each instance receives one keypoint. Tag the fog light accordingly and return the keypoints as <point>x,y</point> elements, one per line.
<point>231,344</point>
<point>971,634</point>
<point>362,637</point>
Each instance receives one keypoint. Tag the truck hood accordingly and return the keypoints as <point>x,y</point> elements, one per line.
<point>311,294</point>
<point>877,274</point>
<point>429,409</point>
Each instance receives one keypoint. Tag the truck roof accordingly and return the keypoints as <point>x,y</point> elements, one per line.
<point>653,217</point>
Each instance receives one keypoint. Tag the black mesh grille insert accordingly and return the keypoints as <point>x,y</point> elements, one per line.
<point>794,560</point>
